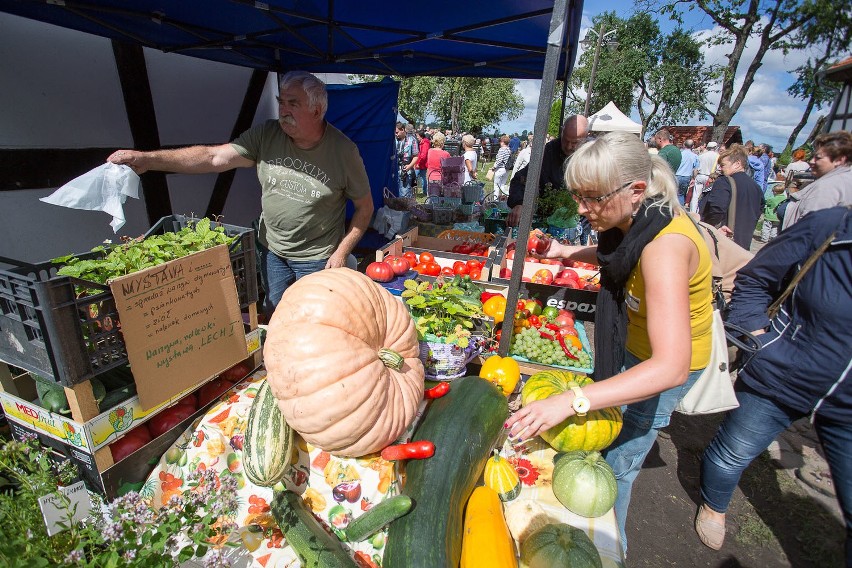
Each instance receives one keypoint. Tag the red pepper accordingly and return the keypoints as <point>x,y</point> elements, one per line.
<point>486,295</point>
<point>437,391</point>
<point>544,335</point>
<point>412,450</point>
<point>534,321</point>
<point>564,347</point>
<point>552,327</point>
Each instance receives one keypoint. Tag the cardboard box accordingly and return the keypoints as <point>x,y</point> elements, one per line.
<point>413,239</point>
<point>47,328</point>
<point>86,441</point>
<point>99,431</point>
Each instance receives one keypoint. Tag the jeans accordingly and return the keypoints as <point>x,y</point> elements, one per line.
<point>748,430</point>
<point>277,274</point>
<point>405,179</point>
<point>682,187</point>
<point>422,181</point>
<point>642,423</point>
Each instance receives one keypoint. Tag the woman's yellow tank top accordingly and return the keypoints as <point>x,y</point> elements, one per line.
<point>700,301</point>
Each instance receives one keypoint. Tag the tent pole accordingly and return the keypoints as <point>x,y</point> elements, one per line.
<point>556,36</point>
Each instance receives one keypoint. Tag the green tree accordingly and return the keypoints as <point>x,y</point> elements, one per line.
<point>465,104</point>
<point>767,24</point>
<point>553,126</point>
<point>832,32</point>
<point>662,76</point>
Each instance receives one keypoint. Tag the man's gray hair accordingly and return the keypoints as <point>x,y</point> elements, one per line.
<point>311,85</point>
<point>688,143</point>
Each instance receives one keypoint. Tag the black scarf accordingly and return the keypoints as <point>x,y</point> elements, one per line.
<point>618,254</point>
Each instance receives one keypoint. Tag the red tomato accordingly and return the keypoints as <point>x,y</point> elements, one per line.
<point>380,271</point>
<point>564,320</point>
<point>566,282</point>
<point>505,273</point>
<point>460,268</point>
<point>420,268</point>
<point>169,418</point>
<point>432,268</point>
<point>537,242</point>
<point>475,274</point>
<point>398,264</point>
<point>211,391</point>
<point>426,257</point>
<point>463,248</point>
<point>410,257</point>
<point>447,271</point>
<point>471,264</point>
<point>543,276</point>
<point>130,442</point>
<point>510,254</point>
<point>236,373</point>
<point>568,273</point>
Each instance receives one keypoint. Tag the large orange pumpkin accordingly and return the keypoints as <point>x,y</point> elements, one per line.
<point>341,355</point>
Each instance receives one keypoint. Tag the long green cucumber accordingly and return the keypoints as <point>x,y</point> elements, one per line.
<point>376,518</point>
<point>314,546</point>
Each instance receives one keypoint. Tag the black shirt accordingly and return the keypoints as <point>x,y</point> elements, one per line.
<point>750,202</point>
<point>551,172</point>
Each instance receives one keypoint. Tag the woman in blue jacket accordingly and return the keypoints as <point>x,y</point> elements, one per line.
<point>802,369</point>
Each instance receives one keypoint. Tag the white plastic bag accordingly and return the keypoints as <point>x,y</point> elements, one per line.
<point>104,188</point>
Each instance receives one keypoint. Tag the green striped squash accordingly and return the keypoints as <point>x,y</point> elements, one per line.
<point>560,545</point>
<point>268,440</point>
<point>595,431</point>
<point>584,483</point>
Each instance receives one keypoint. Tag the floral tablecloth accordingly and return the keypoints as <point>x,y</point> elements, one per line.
<point>216,441</point>
<point>534,463</point>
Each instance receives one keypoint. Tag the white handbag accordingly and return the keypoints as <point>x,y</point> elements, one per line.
<point>714,390</point>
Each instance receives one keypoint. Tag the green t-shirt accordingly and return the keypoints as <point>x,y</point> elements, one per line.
<point>672,155</point>
<point>771,203</point>
<point>303,192</point>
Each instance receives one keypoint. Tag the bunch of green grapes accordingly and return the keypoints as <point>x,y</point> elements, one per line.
<point>529,343</point>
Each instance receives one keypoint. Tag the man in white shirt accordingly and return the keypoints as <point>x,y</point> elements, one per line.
<point>707,162</point>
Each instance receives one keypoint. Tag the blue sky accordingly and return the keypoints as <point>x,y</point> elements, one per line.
<point>768,114</point>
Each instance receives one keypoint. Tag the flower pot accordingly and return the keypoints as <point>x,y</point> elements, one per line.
<point>447,361</point>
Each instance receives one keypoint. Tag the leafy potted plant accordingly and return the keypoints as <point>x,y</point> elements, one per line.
<point>448,315</point>
<point>558,210</point>
<point>126,532</point>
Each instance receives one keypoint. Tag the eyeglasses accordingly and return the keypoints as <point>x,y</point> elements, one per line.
<point>586,200</point>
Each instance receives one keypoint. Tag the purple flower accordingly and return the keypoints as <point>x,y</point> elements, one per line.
<point>74,556</point>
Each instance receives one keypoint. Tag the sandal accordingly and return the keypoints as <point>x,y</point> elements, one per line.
<point>711,533</point>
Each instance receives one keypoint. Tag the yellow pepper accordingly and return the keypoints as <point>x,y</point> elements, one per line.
<point>495,307</point>
<point>502,371</point>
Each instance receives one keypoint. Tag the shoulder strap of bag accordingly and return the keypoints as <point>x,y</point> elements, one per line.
<point>732,208</point>
<point>772,311</point>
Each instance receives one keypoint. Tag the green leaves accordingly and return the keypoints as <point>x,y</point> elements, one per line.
<point>138,254</point>
<point>443,309</point>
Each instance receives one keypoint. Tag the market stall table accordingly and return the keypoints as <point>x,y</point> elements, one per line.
<point>216,441</point>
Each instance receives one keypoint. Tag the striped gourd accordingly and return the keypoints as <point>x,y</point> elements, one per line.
<point>268,440</point>
<point>595,431</point>
<point>500,475</point>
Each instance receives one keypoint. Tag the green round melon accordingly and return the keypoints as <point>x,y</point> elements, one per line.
<point>584,483</point>
<point>560,545</point>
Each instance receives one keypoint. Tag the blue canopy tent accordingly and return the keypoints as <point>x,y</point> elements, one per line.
<point>527,39</point>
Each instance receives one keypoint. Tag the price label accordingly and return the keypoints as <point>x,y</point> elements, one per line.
<point>56,513</point>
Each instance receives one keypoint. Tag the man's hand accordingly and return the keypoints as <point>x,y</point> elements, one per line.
<point>132,158</point>
<point>514,216</point>
<point>337,260</point>
<point>727,231</point>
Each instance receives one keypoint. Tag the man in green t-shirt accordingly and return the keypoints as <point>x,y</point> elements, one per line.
<point>307,170</point>
<point>667,150</point>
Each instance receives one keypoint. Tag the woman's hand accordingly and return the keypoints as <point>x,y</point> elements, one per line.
<point>540,415</point>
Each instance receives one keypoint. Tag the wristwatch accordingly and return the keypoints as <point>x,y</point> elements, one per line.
<point>580,404</point>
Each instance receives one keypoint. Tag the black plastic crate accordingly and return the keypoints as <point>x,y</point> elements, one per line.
<point>47,330</point>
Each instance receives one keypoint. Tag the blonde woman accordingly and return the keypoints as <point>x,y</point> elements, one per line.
<point>470,158</point>
<point>436,154</point>
<point>654,312</point>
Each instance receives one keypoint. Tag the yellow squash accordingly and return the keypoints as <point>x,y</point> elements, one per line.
<point>500,475</point>
<point>487,542</point>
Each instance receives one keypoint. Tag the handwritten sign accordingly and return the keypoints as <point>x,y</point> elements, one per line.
<point>181,323</point>
<point>57,512</point>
